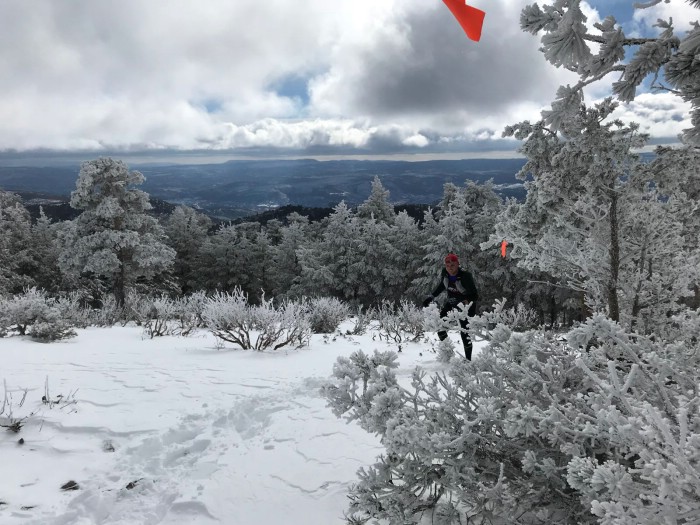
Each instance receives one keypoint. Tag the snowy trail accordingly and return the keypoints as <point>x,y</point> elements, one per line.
<point>171,431</point>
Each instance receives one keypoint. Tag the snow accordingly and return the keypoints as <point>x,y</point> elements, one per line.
<point>179,430</point>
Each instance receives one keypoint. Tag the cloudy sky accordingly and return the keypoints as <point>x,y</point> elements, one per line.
<point>286,77</point>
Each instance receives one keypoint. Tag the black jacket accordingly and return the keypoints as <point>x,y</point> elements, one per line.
<point>463,289</point>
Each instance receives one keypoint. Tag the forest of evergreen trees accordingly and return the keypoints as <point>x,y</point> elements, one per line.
<point>579,243</point>
<point>361,256</point>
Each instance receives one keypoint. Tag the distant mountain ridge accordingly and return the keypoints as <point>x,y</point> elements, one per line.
<point>239,188</point>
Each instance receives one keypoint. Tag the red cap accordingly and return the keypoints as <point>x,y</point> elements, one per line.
<point>451,257</point>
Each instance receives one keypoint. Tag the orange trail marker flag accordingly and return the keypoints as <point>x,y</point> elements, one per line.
<point>470,18</point>
<point>504,245</point>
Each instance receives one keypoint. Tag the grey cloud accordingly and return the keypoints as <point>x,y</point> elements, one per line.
<point>383,75</point>
<point>440,71</point>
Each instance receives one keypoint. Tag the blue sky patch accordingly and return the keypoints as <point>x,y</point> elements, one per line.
<point>211,105</point>
<point>293,86</point>
<point>622,10</point>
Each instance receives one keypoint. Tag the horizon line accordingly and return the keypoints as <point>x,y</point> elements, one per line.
<point>11,158</point>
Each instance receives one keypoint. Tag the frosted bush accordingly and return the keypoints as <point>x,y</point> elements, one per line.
<point>257,327</point>
<point>108,314</point>
<point>600,426</point>
<point>138,308</point>
<point>446,350</point>
<point>167,316</point>
<point>359,380</point>
<point>72,309</point>
<point>412,319</point>
<point>189,312</point>
<point>51,328</point>
<point>20,311</point>
<point>5,324</point>
<point>432,322</point>
<point>509,319</point>
<point>9,419</point>
<point>399,324</point>
<point>362,319</point>
<point>326,314</point>
<point>36,314</point>
<point>520,318</point>
<point>688,322</point>
<point>158,321</point>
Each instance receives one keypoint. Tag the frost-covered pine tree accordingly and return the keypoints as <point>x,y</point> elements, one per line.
<point>676,175</point>
<point>326,264</point>
<point>377,204</point>
<point>186,231</point>
<point>47,274</point>
<point>236,257</point>
<point>387,250</point>
<point>451,233</point>
<point>373,270</point>
<point>17,262</point>
<point>114,240</point>
<point>498,277</point>
<point>449,193</point>
<point>408,239</point>
<point>285,270</point>
<point>432,257</point>
<point>669,59</point>
<point>665,62</point>
<point>586,217</point>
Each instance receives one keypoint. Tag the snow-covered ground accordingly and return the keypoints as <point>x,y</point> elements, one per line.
<point>174,430</point>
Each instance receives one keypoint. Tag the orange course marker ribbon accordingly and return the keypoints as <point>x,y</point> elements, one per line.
<point>504,246</point>
<point>470,18</point>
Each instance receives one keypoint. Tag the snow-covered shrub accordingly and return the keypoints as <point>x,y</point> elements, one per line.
<point>432,322</point>
<point>399,323</point>
<point>4,323</point>
<point>9,419</point>
<point>36,314</point>
<point>520,318</point>
<point>13,414</point>
<point>446,351</point>
<point>167,316</point>
<point>362,319</point>
<point>72,309</point>
<point>515,319</point>
<point>108,314</point>
<point>157,322</point>
<point>189,313</point>
<point>412,319</point>
<point>360,381</point>
<point>256,327</point>
<point>600,426</point>
<point>138,308</point>
<point>19,312</point>
<point>688,323</point>
<point>326,313</point>
<point>51,327</point>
